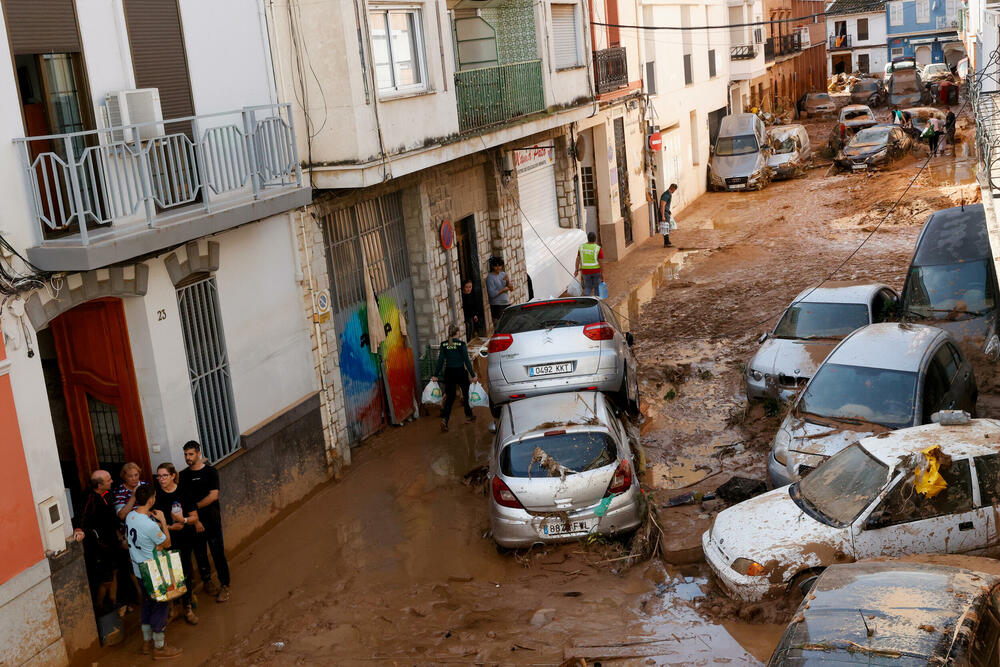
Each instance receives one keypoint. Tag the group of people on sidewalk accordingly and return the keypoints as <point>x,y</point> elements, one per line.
<point>128,524</point>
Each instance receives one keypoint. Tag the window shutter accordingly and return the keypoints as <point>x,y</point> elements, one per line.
<point>41,26</point>
<point>158,57</point>
<point>564,36</point>
<point>651,77</point>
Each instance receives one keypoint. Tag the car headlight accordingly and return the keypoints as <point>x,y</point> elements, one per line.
<point>755,374</point>
<point>747,567</point>
<point>780,447</point>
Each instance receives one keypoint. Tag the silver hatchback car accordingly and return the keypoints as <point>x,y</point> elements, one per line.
<point>568,344</point>
<point>563,466</point>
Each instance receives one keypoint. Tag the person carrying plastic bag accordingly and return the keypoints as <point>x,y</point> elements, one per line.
<point>588,265</point>
<point>453,357</point>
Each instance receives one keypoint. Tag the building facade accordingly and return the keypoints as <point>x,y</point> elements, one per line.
<point>749,84</point>
<point>924,30</point>
<point>856,37</point>
<point>795,51</point>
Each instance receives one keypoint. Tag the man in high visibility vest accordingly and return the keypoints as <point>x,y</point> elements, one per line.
<point>588,264</point>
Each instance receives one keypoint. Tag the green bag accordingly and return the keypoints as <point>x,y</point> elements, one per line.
<point>163,576</point>
<point>928,131</point>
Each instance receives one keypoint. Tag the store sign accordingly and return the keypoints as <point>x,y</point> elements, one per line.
<point>655,141</point>
<point>536,157</point>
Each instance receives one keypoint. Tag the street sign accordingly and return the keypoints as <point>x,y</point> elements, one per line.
<point>655,141</point>
<point>447,235</point>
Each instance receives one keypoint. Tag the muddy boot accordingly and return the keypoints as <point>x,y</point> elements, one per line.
<point>223,594</point>
<point>147,646</point>
<point>166,652</point>
<point>190,616</point>
<point>211,588</point>
<point>444,426</point>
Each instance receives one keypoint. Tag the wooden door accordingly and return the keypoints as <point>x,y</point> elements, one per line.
<point>102,399</point>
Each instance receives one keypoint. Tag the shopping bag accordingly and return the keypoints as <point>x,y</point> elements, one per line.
<point>432,394</point>
<point>928,131</point>
<point>575,288</point>
<point>602,290</point>
<point>163,576</point>
<point>664,227</point>
<point>477,396</point>
<point>673,223</point>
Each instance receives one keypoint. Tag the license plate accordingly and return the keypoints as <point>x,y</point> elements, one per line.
<point>737,186</point>
<point>858,167</point>
<point>550,369</point>
<point>560,528</point>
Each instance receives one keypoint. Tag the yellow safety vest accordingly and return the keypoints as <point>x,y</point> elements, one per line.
<point>588,256</point>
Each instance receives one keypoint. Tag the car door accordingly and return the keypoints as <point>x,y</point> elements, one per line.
<point>907,522</point>
<point>957,375</point>
<point>987,469</point>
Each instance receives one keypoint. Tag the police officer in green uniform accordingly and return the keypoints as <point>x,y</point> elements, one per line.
<point>453,357</point>
<point>589,265</point>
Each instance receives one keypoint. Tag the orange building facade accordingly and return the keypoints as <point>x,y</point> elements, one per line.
<point>795,52</point>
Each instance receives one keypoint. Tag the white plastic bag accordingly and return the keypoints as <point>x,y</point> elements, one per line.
<point>575,288</point>
<point>477,396</point>
<point>673,223</point>
<point>432,394</point>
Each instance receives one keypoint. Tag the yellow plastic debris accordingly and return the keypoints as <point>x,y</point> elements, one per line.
<point>929,482</point>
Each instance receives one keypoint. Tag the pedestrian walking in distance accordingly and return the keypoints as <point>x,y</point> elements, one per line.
<point>453,357</point>
<point>201,482</point>
<point>588,265</point>
<point>666,219</point>
<point>146,531</point>
<point>498,288</point>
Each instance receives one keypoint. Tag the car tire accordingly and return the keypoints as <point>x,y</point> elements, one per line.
<point>629,406</point>
<point>494,409</point>
<point>804,581</point>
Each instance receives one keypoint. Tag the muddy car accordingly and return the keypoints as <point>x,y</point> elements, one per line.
<point>863,503</point>
<point>951,282</point>
<point>874,147</point>
<point>563,466</point>
<point>920,116</point>
<point>791,151</point>
<point>937,614</point>
<point>906,89</point>
<point>880,378</point>
<point>853,118</point>
<point>936,72</point>
<point>810,327</point>
<point>869,91</point>
<point>816,104</point>
<point>740,154</point>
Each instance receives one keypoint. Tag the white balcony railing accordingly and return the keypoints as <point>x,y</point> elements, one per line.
<point>86,185</point>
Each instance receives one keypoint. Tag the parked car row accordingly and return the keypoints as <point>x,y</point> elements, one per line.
<point>562,383</point>
<point>748,156</point>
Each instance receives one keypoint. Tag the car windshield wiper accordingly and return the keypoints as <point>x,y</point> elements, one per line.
<point>819,337</point>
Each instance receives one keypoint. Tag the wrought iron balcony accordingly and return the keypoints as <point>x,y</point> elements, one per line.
<point>494,95</point>
<point>610,69</point>
<point>781,45</point>
<point>105,196</point>
<point>839,42</point>
<point>743,52</point>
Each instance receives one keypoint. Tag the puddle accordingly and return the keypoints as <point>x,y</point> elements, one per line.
<point>952,172</point>
<point>684,472</point>
<point>644,292</point>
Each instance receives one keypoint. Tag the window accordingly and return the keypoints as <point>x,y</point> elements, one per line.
<point>840,28</point>
<point>896,17</point>
<point>688,76</point>
<point>758,35</point>
<point>863,63</point>
<point>897,51</point>
<point>695,153</point>
<point>651,77</point>
<point>951,10</point>
<point>711,63</point>
<point>923,11</point>
<point>564,36</point>
<point>884,305</point>
<point>587,185</point>
<point>988,472</point>
<point>862,30</point>
<point>947,356</point>
<point>935,388</point>
<point>208,367</point>
<point>397,49</point>
<point>903,504</point>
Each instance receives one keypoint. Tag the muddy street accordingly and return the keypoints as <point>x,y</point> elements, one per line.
<point>394,564</point>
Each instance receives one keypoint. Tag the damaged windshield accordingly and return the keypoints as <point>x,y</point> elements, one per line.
<point>862,394</point>
<point>843,485</point>
<point>821,320</point>
<point>558,455</point>
<point>872,136</point>
<point>744,144</point>
<point>947,290</point>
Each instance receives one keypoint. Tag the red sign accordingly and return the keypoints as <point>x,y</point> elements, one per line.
<point>655,141</point>
<point>447,235</point>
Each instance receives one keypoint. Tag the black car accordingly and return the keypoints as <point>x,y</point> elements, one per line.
<point>877,146</point>
<point>900,613</point>
<point>951,282</point>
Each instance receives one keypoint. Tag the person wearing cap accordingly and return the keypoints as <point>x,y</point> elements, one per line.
<point>453,357</point>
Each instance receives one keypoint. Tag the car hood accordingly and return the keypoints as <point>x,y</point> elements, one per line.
<point>796,358</point>
<point>773,531</point>
<point>734,166</point>
<point>782,159</point>
<point>862,151</point>
<point>824,440</point>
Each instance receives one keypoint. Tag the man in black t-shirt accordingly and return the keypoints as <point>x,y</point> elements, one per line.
<point>201,482</point>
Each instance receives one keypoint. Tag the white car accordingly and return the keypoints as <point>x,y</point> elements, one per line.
<point>862,503</point>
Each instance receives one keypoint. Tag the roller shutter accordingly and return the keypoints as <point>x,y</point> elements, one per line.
<point>564,36</point>
<point>158,58</point>
<point>41,26</point>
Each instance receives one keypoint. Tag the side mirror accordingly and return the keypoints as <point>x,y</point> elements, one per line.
<point>764,336</point>
<point>629,338</point>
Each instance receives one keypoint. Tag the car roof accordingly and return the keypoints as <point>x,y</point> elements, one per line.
<point>855,107</point>
<point>781,131</point>
<point>847,291</point>
<point>738,122</point>
<point>888,345</point>
<point>912,608</point>
<point>552,411</point>
<point>979,437</point>
<point>953,235</point>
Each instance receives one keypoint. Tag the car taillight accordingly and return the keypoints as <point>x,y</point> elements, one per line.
<point>622,480</point>
<point>503,495</point>
<point>599,331</point>
<point>500,342</point>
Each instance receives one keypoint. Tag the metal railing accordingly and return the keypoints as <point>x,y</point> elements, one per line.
<point>96,180</point>
<point>769,49</point>
<point>838,42</point>
<point>610,69</point>
<point>782,45</point>
<point>492,95</point>
<point>743,52</point>
<point>984,93</point>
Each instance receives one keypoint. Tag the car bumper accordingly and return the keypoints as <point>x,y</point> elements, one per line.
<point>763,390</point>
<point>777,472</point>
<point>734,584</point>
<point>501,391</point>
<point>515,528</point>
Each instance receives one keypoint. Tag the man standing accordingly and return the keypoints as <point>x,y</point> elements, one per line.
<point>588,264</point>
<point>666,219</point>
<point>201,482</point>
<point>498,288</point>
<point>101,545</point>
<point>146,531</point>
<point>453,357</point>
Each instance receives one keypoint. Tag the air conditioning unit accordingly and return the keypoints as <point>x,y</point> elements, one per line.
<point>130,107</point>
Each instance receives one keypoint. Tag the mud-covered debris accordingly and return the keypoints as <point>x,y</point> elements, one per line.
<point>476,478</point>
<point>926,628</point>
<point>542,617</point>
<point>738,489</point>
<point>553,467</point>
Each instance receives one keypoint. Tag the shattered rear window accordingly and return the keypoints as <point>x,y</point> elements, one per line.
<point>549,315</point>
<point>843,485</point>
<point>555,455</point>
<point>821,320</point>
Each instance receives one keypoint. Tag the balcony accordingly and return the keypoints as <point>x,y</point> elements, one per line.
<point>610,69</point>
<point>839,43</point>
<point>782,45</point>
<point>105,196</point>
<point>490,96</point>
<point>743,52</point>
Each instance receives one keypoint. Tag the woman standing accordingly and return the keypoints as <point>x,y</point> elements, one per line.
<point>181,516</point>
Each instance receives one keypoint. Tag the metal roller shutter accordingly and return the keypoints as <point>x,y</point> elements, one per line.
<point>158,58</point>
<point>564,36</point>
<point>41,26</point>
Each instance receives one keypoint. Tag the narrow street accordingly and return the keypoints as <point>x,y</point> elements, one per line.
<point>393,564</point>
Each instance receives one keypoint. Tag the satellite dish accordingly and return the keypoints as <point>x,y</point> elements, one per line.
<point>581,147</point>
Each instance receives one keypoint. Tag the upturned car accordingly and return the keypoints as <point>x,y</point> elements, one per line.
<point>810,327</point>
<point>816,104</point>
<point>563,467</point>
<point>791,152</point>
<point>864,502</point>
<point>880,378</point>
<point>568,344</point>
<point>873,147</point>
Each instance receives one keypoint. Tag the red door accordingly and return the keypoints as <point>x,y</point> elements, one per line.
<point>102,400</point>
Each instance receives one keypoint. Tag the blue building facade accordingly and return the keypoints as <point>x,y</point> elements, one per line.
<point>926,30</point>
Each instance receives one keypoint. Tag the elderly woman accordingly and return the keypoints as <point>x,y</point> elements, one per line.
<point>125,493</point>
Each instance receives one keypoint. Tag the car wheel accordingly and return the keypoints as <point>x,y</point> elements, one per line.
<point>621,396</point>
<point>804,581</point>
<point>494,409</point>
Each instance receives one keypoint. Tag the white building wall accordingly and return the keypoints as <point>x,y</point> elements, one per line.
<point>875,45</point>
